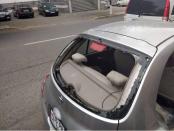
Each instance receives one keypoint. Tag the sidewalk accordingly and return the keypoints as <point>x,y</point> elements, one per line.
<point>100,14</point>
<point>39,21</point>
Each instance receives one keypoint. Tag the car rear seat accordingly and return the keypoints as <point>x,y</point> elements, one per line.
<point>124,62</point>
<point>93,87</point>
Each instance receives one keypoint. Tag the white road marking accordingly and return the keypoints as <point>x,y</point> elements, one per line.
<point>43,41</point>
<point>36,26</point>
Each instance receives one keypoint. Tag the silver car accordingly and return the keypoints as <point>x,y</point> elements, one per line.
<point>113,77</point>
<point>5,14</point>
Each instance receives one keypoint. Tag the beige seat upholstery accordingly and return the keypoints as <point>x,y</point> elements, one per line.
<point>92,87</point>
<point>129,84</point>
<point>79,58</point>
<point>97,75</point>
<point>117,79</point>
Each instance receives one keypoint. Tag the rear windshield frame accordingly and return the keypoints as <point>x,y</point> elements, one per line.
<point>116,113</point>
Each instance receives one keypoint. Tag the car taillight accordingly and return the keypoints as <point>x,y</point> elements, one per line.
<point>43,85</point>
<point>127,6</point>
<point>166,11</point>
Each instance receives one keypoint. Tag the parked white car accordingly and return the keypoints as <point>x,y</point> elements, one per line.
<point>4,14</point>
<point>122,2</point>
<point>107,3</point>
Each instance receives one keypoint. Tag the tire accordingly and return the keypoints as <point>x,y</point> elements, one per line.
<point>57,14</point>
<point>32,16</point>
<point>45,14</point>
<point>18,16</point>
<point>9,19</point>
<point>40,13</point>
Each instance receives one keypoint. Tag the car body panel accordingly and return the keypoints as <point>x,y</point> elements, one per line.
<point>127,41</point>
<point>141,114</point>
<point>145,99</point>
<point>153,33</point>
<point>132,16</point>
<point>129,17</point>
<point>68,107</point>
<point>23,11</point>
<point>5,14</point>
<point>122,2</point>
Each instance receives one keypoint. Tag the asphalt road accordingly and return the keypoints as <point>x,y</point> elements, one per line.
<point>26,57</point>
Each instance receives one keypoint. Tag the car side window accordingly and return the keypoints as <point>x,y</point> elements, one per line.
<point>83,47</point>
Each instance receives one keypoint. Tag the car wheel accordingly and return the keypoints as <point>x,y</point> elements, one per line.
<point>45,14</point>
<point>9,19</point>
<point>32,16</point>
<point>18,16</point>
<point>57,14</point>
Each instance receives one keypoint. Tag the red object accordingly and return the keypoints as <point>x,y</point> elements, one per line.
<point>96,46</point>
<point>43,84</point>
<point>166,11</point>
<point>127,6</point>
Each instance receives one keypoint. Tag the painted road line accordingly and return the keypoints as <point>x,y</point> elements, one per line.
<point>36,26</point>
<point>48,40</point>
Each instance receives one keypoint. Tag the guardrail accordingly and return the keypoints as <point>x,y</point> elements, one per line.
<point>68,5</point>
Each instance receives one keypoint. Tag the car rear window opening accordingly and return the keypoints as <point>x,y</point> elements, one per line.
<point>92,66</point>
<point>147,7</point>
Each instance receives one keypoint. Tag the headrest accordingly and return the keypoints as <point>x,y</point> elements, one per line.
<point>79,58</point>
<point>116,78</point>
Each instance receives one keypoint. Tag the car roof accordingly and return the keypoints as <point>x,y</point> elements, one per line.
<point>150,34</point>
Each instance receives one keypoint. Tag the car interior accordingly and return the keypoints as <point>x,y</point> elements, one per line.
<point>99,75</point>
<point>165,99</point>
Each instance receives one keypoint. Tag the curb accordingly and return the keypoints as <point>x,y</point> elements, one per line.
<point>91,14</point>
<point>6,28</point>
<point>108,15</point>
